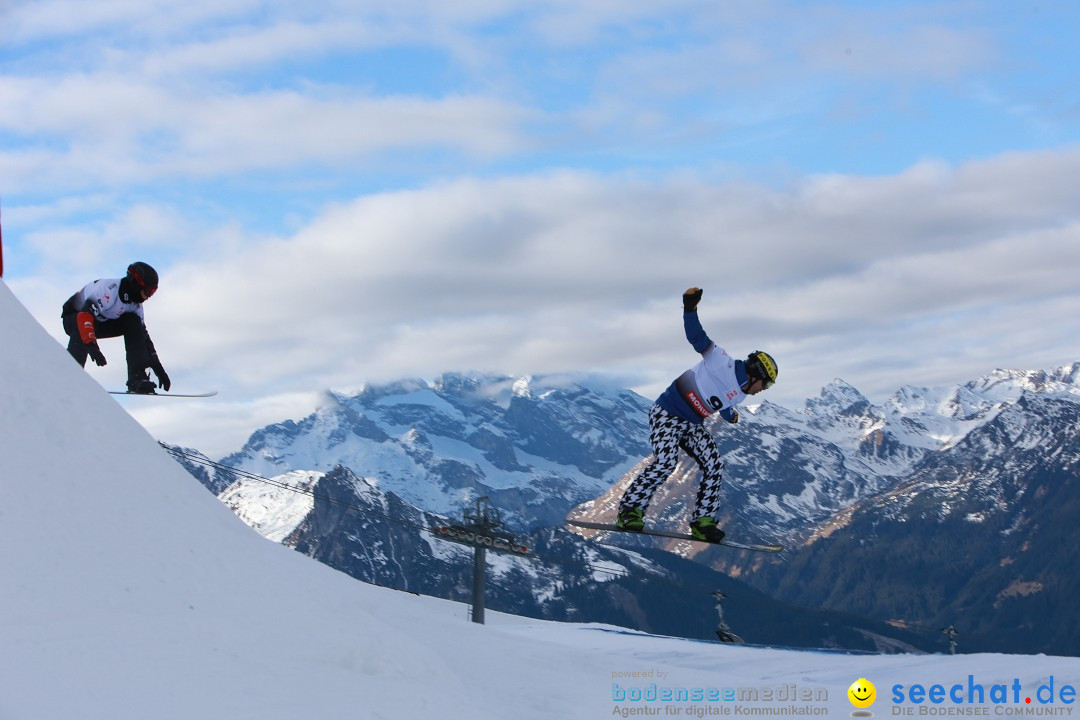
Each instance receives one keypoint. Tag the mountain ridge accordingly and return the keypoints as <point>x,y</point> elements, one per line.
<point>539,447</point>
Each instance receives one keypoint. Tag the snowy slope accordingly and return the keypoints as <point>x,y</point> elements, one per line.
<point>130,592</point>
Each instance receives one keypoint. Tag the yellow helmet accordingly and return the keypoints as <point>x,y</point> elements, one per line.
<point>760,364</point>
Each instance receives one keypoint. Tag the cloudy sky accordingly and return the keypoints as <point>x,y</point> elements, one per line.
<point>346,192</point>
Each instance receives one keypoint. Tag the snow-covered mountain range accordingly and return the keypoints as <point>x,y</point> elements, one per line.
<point>534,446</point>
<point>982,533</point>
<point>539,447</point>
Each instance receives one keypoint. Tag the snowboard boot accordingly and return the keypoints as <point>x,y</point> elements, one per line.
<point>705,528</point>
<point>140,383</point>
<point>631,519</point>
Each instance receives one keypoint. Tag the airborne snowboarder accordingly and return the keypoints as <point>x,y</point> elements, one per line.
<point>111,308</point>
<point>716,384</point>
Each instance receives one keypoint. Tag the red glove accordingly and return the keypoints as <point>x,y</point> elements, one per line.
<point>85,323</point>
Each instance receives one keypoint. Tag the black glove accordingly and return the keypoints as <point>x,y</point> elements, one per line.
<point>95,354</point>
<point>163,377</point>
<point>690,299</point>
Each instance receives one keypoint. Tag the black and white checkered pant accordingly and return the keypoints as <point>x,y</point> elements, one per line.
<point>667,435</point>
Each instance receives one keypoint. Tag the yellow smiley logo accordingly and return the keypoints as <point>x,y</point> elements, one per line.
<point>862,693</point>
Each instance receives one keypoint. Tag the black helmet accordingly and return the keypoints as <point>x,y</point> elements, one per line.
<point>761,365</point>
<point>144,277</point>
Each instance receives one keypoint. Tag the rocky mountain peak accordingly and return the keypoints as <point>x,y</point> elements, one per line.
<point>838,398</point>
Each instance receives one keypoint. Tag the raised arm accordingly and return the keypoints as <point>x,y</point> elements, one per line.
<point>695,334</point>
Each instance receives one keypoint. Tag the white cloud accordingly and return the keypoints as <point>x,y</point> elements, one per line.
<point>38,20</point>
<point>567,272</point>
<point>123,132</point>
<point>905,43</point>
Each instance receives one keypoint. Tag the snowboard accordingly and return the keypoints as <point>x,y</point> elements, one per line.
<point>677,536</point>
<point>212,393</point>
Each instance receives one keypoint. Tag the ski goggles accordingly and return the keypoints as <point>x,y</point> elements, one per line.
<point>147,292</point>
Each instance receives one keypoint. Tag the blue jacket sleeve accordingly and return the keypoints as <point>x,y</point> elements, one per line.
<point>695,333</point>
